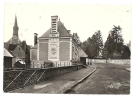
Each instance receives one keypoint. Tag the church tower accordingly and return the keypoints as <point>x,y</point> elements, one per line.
<point>15,39</point>
<point>15,27</point>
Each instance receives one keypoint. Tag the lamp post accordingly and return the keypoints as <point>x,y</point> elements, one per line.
<point>106,54</point>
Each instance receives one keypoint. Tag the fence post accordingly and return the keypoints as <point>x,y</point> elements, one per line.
<point>29,78</point>
<point>41,75</point>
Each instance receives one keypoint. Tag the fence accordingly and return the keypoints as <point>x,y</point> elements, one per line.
<point>19,78</point>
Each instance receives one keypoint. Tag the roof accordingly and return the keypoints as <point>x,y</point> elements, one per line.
<point>61,29</point>
<point>22,62</point>
<point>82,53</point>
<point>10,40</point>
<point>7,54</point>
<point>12,47</point>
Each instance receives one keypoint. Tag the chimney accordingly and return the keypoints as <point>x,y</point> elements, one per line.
<point>35,38</point>
<point>54,24</point>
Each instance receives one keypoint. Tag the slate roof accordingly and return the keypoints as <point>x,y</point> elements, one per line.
<point>10,40</point>
<point>61,29</point>
<point>82,53</point>
<point>6,53</point>
<point>12,47</point>
<point>22,62</point>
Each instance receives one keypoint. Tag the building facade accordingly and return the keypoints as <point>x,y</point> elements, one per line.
<point>56,45</point>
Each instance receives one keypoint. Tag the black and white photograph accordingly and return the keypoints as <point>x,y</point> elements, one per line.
<point>67,48</point>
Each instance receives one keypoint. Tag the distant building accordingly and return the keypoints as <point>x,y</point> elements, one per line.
<point>56,45</point>
<point>100,53</point>
<point>129,45</point>
<point>15,38</point>
<point>19,64</point>
<point>7,59</point>
<point>13,45</point>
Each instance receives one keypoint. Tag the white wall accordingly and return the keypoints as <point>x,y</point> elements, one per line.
<point>112,61</point>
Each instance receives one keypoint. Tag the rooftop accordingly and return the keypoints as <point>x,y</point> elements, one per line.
<point>61,29</point>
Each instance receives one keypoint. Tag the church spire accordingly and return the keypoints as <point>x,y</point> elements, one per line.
<point>15,39</point>
<point>15,27</point>
<point>15,22</point>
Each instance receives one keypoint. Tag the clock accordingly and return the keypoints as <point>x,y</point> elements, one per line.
<point>53,50</point>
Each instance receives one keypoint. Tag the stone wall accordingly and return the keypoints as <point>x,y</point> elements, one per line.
<point>112,61</point>
<point>120,61</point>
<point>25,77</point>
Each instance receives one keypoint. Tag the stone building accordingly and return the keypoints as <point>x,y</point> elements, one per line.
<point>56,45</point>
<point>7,59</point>
<point>15,38</point>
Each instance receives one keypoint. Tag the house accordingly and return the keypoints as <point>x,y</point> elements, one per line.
<point>56,45</point>
<point>19,64</point>
<point>17,53</point>
<point>83,57</point>
<point>7,59</point>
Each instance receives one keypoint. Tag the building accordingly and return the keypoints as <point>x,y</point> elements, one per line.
<point>19,64</point>
<point>13,45</point>
<point>129,45</point>
<point>83,57</point>
<point>7,59</point>
<point>56,45</point>
<point>15,38</point>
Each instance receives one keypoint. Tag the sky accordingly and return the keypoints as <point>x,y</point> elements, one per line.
<point>83,19</point>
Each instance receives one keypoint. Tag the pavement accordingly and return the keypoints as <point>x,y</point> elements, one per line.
<point>59,84</point>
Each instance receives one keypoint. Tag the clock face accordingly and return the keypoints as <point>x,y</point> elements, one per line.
<point>53,50</point>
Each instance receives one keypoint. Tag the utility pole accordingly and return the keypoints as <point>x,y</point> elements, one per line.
<point>106,54</point>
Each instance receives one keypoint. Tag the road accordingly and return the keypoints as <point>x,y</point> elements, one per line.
<point>108,79</point>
